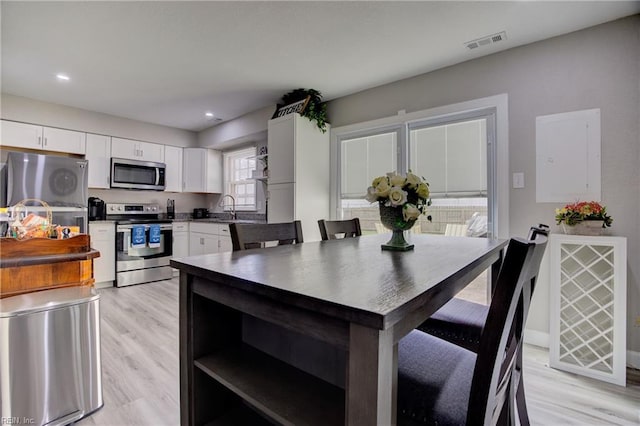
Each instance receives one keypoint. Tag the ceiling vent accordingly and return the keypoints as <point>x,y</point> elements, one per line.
<point>486,40</point>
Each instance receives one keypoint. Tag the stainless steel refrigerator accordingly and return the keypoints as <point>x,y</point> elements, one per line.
<point>61,182</point>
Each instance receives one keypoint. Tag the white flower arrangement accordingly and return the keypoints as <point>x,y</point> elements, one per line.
<point>410,192</point>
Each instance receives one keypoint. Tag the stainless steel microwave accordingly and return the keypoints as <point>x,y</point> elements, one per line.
<point>136,174</point>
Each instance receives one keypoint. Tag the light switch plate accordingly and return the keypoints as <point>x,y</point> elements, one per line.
<point>518,180</point>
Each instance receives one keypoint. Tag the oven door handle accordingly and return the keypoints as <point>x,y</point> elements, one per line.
<point>157,175</point>
<point>163,227</point>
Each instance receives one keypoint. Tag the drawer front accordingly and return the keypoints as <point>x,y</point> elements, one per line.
<point>180,226</point>
<point>205,228</point>
<point>223,229</point>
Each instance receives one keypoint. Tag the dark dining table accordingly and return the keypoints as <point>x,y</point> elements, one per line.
<point>346,295</point>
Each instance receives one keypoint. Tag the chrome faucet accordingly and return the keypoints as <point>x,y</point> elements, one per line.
<point>233,205</point>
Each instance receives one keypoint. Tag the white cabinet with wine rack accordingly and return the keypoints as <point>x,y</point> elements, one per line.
<point>588,306</point>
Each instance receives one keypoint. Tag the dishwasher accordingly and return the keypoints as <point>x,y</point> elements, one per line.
<point>50,365</point>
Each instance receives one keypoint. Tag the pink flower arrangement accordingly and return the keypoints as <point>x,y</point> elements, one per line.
<point>572,214</point>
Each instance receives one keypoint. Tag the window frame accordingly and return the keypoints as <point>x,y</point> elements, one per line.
<point>228,158</point>
<point>497,150</point>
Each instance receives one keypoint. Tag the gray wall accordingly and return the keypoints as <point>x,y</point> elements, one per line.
<point>594,68</point>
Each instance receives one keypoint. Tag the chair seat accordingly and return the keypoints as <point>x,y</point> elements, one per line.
<point>459,321</point>
<point>440,397</point>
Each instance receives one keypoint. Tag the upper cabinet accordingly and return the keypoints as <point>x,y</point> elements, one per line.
<point>202,170</point>
<point>137,150</point>
<point>173,174</point>
<point>99,156</point>
<point>299,182</point>
<point>30,136</point>
<point>282,143</point>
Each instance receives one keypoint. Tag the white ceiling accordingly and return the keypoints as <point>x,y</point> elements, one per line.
<point>169,62</point>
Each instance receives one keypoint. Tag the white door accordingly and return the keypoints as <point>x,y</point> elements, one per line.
<point>98,153</point>
<point>173,173</point>
<point>21,135</point>
<point>60,140</point>
<point>281,203</point>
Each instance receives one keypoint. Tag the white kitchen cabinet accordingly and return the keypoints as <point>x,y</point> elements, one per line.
<point>98,153</point>
<point>60,140</point>
<point>103,239</point>
<point>202,170</point>
<point>180,236</point>
<point>137,150</point>
<point>588,306</point>
<point>207,238</point>
<point>173,173</point>
<point>23,135</point>
<point>299,185</point>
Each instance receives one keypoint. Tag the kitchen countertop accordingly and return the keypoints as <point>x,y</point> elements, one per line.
<point>204,220</point>
<point>219,220</point>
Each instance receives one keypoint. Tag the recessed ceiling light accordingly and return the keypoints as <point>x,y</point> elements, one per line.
<point>208,114</point>
<point>63,77</point>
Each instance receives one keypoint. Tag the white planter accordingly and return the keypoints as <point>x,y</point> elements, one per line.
<point>587,227</point>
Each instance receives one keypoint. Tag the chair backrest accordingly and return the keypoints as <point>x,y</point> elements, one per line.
<point>541,229</point>
<point>254,235</point>
<point>330,228</point>
<point>501,337</point>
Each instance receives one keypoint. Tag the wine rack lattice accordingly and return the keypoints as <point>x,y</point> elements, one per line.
<point>588,306</point>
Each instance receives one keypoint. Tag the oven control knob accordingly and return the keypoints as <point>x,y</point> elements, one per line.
<point>119,207</point>
<point>153,208</point>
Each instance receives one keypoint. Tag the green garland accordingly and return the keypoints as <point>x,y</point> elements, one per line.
<point>316,110</point>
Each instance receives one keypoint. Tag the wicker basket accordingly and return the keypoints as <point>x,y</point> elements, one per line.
<point>32,225</point>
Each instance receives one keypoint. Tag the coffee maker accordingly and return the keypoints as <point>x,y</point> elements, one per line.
<point>97,209</point>
<point>171,209</point>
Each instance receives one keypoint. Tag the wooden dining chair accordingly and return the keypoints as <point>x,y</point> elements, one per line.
<point>331,229</point>
<point>461,322</point>
<point>442,383</point>
<point>255,235</point>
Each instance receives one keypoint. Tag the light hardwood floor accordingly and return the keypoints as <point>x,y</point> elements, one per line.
<point>139,327</point>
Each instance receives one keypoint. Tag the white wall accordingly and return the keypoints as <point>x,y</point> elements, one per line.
<point>32,111</point>
<point>17,108</point>
<point>594,68</point>
<point>251,127</point>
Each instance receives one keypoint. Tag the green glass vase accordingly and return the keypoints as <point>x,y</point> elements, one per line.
<point>392,218</point>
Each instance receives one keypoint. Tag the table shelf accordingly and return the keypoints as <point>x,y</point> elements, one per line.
<point>274,388</point>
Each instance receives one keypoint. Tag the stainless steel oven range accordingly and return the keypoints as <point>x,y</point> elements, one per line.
<point>143,243</point>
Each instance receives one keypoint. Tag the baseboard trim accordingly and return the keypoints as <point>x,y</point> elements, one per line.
<point>633,359</point>
<point>536,338</point>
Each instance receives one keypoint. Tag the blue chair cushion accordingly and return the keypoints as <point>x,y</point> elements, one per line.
<point>434,380</point>
<point>459,321</point>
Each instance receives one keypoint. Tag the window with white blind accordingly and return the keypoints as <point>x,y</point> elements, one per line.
<point>452,155</point>
<point>238,168</point>
<point>363,159</point>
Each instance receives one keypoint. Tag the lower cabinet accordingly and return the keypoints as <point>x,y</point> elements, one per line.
<point>103,239</point>
<point>180,237</point>
<point>588,306</point>
<point>206,238</point>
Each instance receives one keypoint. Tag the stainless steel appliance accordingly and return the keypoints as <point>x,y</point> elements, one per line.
<point>136,174</point>
<point>61,182</point>
<point>143,257</point>
<point>50,369</point>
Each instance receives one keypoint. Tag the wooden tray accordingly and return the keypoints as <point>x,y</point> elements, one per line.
<point>42,264</point>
